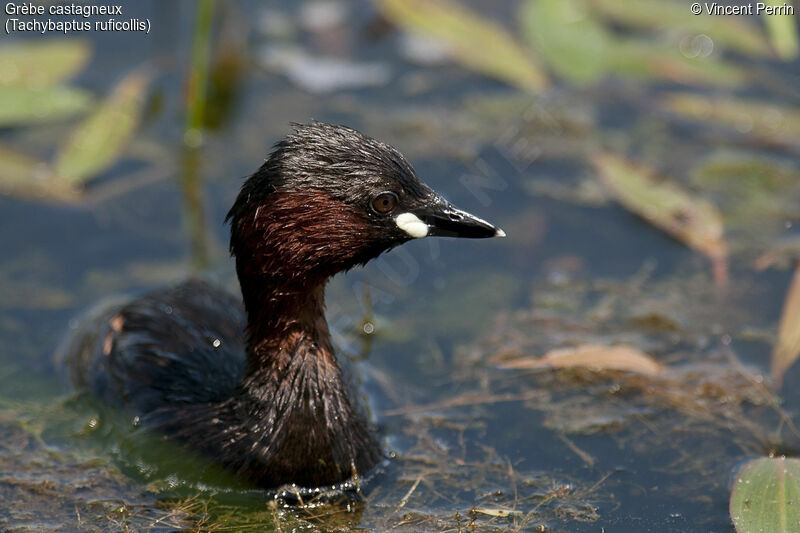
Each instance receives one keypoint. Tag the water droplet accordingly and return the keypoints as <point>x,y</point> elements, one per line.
<point>368,328</point>
<point>217,343</point>
<point>193,138</point>
<point>697,46</point>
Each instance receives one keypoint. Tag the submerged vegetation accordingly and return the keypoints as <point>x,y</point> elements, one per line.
<point>626,356</point>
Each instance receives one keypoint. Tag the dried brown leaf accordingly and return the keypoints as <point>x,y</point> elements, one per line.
<point>502,513</point>
<point>592,356</point>
<point>787,350</point>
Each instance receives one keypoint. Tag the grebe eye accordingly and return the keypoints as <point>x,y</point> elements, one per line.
<point>384,202</point>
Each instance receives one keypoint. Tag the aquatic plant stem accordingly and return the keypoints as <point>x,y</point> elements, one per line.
<point>197,87</point>
<point>196,95</point>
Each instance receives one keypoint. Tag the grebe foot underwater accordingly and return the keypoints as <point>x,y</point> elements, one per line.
<point>257,389</point>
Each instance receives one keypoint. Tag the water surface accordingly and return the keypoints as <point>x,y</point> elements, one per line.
<point>475,445</point>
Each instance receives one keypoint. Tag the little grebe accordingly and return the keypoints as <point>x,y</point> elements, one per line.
<point>260,392</point>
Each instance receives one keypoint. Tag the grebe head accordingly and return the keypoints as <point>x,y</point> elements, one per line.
<point>330,198</point>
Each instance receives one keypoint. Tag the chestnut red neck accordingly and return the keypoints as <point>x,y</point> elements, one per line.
<point>286,249</point>
<point>281,325</point>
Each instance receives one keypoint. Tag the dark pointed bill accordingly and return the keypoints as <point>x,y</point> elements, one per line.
<point>442,219</point>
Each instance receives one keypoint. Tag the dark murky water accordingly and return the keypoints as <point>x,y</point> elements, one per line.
<point>476,445</point>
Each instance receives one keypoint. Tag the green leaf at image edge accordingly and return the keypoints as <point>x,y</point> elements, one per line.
<point>787,349</point>
<point>782,30</point>
<point>766,496</point>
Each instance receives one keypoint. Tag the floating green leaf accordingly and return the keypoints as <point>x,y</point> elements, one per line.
<point>747,173</point>
<point>782,29</point>
<point>21,105</point>
<point>39,64</point>
<point>637,57</point>
<point>769,122</point>
<point>692,220</point>
<point>732,32</point>
<point>476,43</point>
<point>756,193</point>
<point>787,350</point>
<point>100,140</point>
<point>579,48</point>
<point>574,44</point>
<point>766,496</point>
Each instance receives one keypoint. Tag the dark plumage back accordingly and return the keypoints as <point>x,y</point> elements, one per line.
<point>136,354</point>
